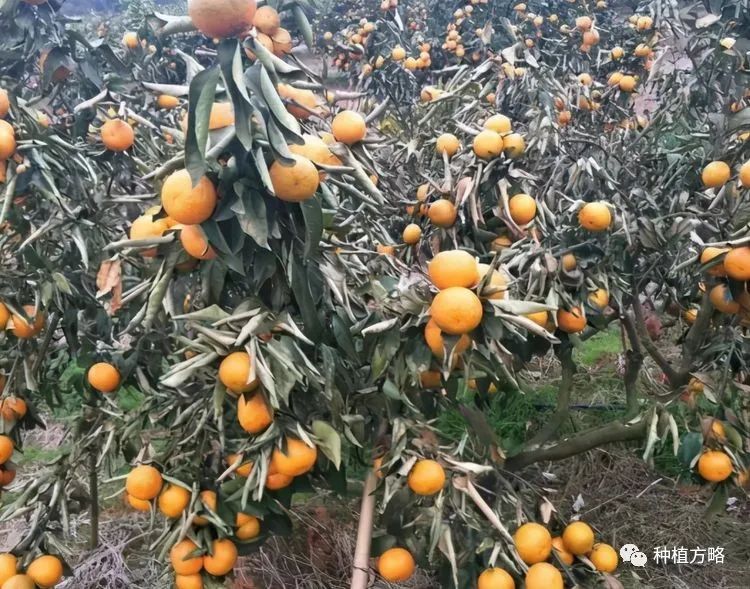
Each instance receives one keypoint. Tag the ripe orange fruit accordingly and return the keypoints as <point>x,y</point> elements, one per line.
<point>559,547</point>
<point>276,480</point>
<point>426,477</point>
<point>522,208</point>
<point>316,150</point>
<point>564,117</point>
<point>488,144</point>
<point>144,482</point>
<point>396,565</point>
<point>430,379</point>
<point>267,42</point>
<point>614,79</point>
<point>244,469</point>
<point>298,458</point>
<point>46,571</point>
<point>595,216</point>
<point>8,567</point>
<point>398,53</point>
<point>208,502</point>
<point>573,321</point>
<point>543,575</point>
<point>716,174</point>
<point>599,298</point>
<point>500,243</point>
<point>117,135</point>
<point>745,175</point>
<point>644,23</point>
<point>627,83</point>
<point>456,310</point>
<point>496,287</point>
<point>222,558</point>
<point>591,37</point>
<point>19,582</point>
<point>248,526</point>
<point>137,504</point>
<point>569,262</point>
<point>167,102</point>
<point>297,182</point>
<point>495,579</point>
<point>130,40</point>
<point>222,18</point>
<point>146,227</point>
<point>22,328</point>
<point>104,377</point>
<point>721,298</point>
<point>195,243</point>
<point>282,42</point>
<point>617,52</point>
<point>6,449</point>
<point>709,254</point>
<point>533,542</point>
<point>585,79</point>
<point>254,414</point>
<point>578,538</point>
<point>386,250</point>
<point>714,466</point>
<point>234,373</point>
<point>737,263</point>
<point>447,143</point>
<point>185,203</point>
<point>4,103</point>
<point>604,557</point>
<point>13,408</point>
<point>453,268</point>
<point>514,145</point>
<point>349,127</point>
<point>4,316</point>
<point>188,582</point>
<point>7,476</point>
<point>442,213</point>
<point>434,338</point>
<point>584,23</point>
<point>7,141</point>
<point>498,123</point>
<point>174,500</point>
<point>267,20</point>
<point>412,234</point>
<point>182,561</point>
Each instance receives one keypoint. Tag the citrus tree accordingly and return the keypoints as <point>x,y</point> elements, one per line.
<point>251,282</point>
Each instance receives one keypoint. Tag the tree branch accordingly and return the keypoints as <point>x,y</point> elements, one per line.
<point>579,443</point>
<point>562,410</point>
<point>633,365</point>
<point>640,325</point>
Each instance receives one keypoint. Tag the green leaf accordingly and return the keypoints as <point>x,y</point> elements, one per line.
<point>313,214</point>
<point>300,284</point>
<point>329,441</point>
<point>201,96</point>
<point>718,503</point>
<point>231,69</point>
<point>690,446</point>
<point>251,213</point>
<point>303,24</point>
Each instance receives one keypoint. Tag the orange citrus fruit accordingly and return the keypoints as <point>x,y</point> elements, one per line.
<point>533,542</point>
<point>234,373</point>
<point>426,477</point>
<point>456,310</point>
<point>185,203</point>
<point>396,565</point>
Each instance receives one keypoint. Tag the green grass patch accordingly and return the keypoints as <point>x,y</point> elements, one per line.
<point>598,347</point>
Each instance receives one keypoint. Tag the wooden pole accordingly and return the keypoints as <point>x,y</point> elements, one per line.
<point>361,567</point>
